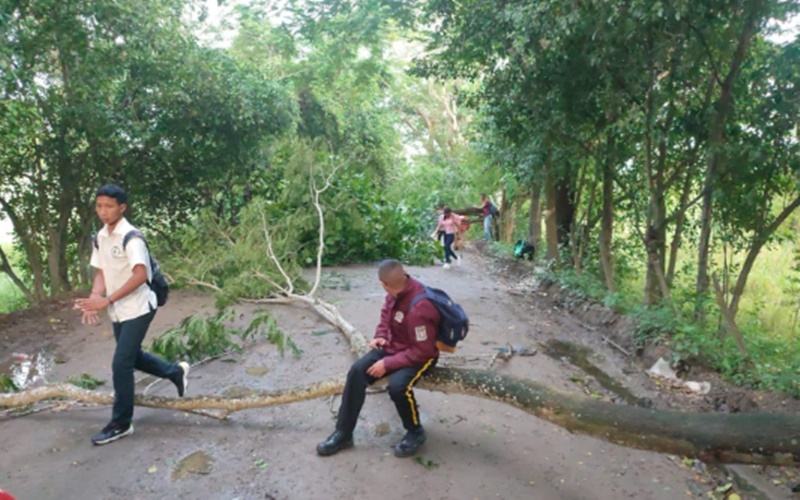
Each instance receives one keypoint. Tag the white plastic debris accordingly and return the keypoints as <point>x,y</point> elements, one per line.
<point>662,370</point>
<point>698,387</point>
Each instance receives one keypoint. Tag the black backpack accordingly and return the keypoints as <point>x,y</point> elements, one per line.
<point>159,282</point>
<point>454,323</point>
<point>493,210</point>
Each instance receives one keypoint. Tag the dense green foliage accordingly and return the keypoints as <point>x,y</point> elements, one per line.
<point>661,141</point>
<point>656,141</point>
<point>102,91</point>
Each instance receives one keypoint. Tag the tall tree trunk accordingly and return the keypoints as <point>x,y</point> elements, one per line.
<point>54,261</point>
<point>654,287</point>
<point>655,242</point>
<point>723,108</point>
<point>565,209</point>
<point>680,222</point>
<point>85,250</point>
<point>656,208</point>
<point>58,234</point>
<point>535,217</point>
<point>607,220</point>
<point>701,286</point>
<point>581,235</point>
<point>578,224</point>
<point>506,218</point>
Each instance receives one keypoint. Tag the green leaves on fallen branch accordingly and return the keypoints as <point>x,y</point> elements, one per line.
<point>86,381</point>
<point>6,384</point>
<point>265,324</point>
<point>198,337</point>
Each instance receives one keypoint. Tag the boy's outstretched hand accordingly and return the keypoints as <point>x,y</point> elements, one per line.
<point>91,308</point>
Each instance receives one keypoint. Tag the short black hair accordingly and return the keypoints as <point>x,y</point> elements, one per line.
<point>113,191</point>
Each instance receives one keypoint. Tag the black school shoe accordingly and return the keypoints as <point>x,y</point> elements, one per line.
<point>410,443</point>
<point>337,442</point>
<point>111,433</point>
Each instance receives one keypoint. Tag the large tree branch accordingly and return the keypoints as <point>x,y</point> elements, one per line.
<point>271,254</point>
<point>316,193</point>
<point>708,436</point>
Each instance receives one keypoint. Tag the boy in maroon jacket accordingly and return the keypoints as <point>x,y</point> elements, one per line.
<point>404,348</point>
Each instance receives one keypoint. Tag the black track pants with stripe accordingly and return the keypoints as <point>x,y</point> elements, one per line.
<point>401,383</point>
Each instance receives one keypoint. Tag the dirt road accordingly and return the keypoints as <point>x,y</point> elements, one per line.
<point>475,448</point>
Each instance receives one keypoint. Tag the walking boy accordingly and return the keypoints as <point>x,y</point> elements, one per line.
<point>121,286</point>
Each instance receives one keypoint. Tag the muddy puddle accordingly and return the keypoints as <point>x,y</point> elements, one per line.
<point>198,462</point>
<point>578,356</point>
<point>257,371</point>
<point>25,370</point>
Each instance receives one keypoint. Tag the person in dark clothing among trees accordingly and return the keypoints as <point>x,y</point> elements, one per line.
<point>404,348</point>
<point>486,211</point>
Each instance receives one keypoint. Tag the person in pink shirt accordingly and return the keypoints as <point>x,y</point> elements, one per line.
<point>450,224</point>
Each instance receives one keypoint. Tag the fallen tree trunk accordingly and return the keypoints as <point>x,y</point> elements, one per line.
<point>468,211</point>
<point>753,438</point>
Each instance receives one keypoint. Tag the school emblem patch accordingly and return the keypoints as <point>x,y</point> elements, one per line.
<point>421,332</point>
<point>398,316</point>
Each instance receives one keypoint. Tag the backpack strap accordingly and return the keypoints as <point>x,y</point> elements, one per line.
<point>417,298</point>
<point>133,233</point>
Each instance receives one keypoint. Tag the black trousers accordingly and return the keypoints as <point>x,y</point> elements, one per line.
<point>129,356</point>
<point>401,383</point>
<point>449,239</point>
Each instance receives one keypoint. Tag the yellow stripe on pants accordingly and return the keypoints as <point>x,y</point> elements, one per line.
<point>410,394</point>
